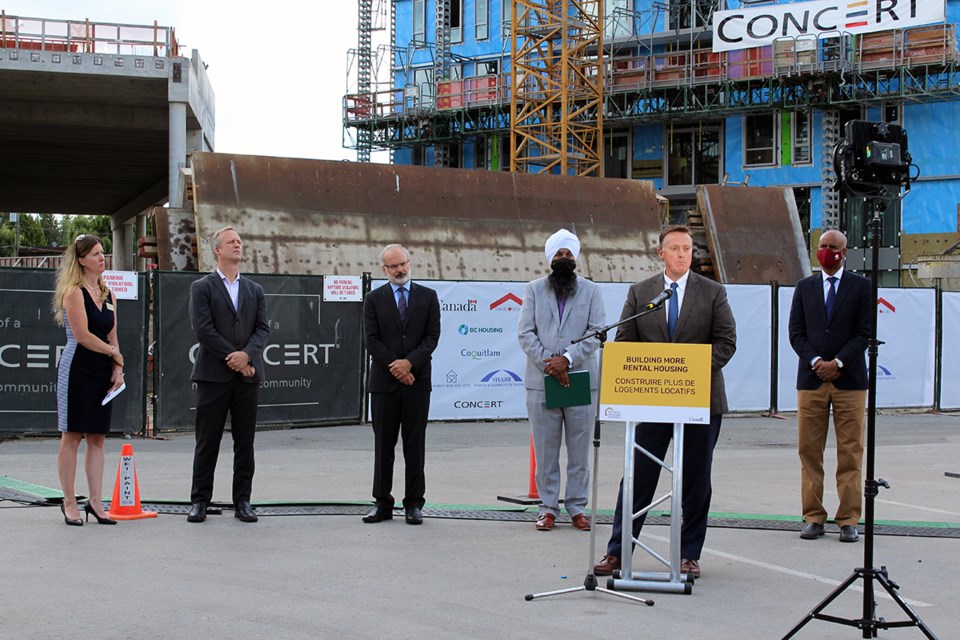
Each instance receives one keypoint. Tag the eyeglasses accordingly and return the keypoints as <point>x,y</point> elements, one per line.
<point>80,237</point>
<point>394,267</point>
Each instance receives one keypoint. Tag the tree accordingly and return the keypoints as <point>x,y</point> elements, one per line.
<point>52,229</point>
<point>100,226</point>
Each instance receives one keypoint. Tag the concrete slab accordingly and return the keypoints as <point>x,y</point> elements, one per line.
<point>335,577</point>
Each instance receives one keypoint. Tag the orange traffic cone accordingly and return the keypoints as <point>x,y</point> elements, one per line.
<point>532,492</point>
<point>126,490</point>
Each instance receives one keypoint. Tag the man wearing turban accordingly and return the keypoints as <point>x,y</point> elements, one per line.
<point>557,309</point>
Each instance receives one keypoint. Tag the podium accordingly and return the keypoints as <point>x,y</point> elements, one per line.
<point>663,383</point>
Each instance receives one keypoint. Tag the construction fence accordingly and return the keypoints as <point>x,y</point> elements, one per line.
<point>315,359</point>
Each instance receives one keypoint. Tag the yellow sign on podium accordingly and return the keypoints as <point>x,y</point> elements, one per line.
<point>655,382</point>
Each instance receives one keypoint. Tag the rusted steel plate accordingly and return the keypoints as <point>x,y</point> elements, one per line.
<point>323,217</point>
<point>176,239</point>
<point>754,234</point>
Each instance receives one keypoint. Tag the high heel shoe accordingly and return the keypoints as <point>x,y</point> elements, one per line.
<point>73,523</point>
<point>89,511</point>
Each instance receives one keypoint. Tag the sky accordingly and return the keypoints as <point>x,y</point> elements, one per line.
<point>278,68</point>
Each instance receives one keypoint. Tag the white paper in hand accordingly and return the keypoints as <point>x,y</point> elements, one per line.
<point>113,394</point>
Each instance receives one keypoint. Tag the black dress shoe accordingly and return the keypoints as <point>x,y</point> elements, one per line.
<point>198,512</point>
<point>378,514</point>
<point>243,511</point>
<point>848,533</point>
<point>812,531</point>
<point>414,516</point>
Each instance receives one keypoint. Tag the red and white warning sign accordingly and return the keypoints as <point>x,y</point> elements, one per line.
<point>342,289</point>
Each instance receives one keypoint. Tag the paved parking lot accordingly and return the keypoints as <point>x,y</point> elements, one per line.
<point>331,576</point>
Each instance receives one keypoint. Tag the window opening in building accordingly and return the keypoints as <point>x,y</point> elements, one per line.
<point>616,152</point>
<point>802,150</point>
<point>481,153</point>
<point>419,20</point>
<point>759,139</point>
<point>694,155</point>
<point>685,14</point>
<point>456,20</point>
<point>802,197</point>
<point>482,19</point>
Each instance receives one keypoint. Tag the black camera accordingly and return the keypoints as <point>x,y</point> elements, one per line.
<point>872,158</point>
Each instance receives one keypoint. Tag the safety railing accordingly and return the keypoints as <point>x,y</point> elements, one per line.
<point>72,36</point>
<point>840,53</point>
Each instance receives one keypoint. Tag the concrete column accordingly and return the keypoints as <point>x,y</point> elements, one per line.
<point>119,253</point>
<point>124,243</point>
<point>178,148</point>
<point>140,233</point>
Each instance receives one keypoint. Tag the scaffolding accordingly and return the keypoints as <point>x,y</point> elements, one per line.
<point>556,97</point>
<point>646,77</point>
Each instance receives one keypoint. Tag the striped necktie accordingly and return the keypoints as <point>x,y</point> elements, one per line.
<point>402,303</point>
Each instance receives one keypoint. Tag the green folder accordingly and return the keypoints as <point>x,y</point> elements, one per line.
<point>576,395</point>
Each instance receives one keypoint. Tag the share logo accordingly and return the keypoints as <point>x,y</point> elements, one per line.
<point>611,413</point>
<point>501,376</point>
<point>883,306</point>
<point>884,373</point>
<point>451,377</point>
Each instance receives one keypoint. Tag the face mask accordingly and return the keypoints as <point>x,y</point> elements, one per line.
<point>563,265</point>
<point>829,258</point>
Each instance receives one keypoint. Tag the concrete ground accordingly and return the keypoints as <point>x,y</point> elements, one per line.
<point>332,576</point>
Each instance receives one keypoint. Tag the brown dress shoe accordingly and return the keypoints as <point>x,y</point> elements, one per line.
<point>581,521</point>
<point>690,567</point>
<point>607,566</point>
<point>545,522</point>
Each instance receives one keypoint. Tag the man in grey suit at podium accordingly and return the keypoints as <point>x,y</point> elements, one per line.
<point>697,312</point>
<point>558,309</point>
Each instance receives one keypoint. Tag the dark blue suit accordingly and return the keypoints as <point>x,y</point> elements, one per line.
<point>397,408</point>
<point>843,336</point>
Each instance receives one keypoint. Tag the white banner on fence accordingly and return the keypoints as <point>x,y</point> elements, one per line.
<point>747,375</point>
<point>906,324</point>
<point>759,26</point>
<point>478,365</point>
<point>950,348</point>
<point>786,356</point>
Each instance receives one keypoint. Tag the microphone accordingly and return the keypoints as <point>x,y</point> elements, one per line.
<point>660,299</point>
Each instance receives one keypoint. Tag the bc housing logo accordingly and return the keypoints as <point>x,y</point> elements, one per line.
<point>465,329</point>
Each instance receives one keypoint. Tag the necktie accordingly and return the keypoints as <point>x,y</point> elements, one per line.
<point>673,310</point>
<point>831,295</point>
<point>402,303</point>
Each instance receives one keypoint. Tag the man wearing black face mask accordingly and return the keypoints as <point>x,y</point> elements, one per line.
<point>558,309</point>
<point>830,323</point>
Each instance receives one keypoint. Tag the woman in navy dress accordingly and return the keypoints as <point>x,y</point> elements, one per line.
<point>90,367</point>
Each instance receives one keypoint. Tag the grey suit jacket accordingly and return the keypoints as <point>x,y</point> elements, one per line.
<point>542,333</point>
<point>705,318</point>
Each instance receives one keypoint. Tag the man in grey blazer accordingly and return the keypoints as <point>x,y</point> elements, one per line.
<point>698,313</point>
<point>229,316</point>
<point>558,309</point>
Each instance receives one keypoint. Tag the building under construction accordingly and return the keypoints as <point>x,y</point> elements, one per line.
<point>640,89</point>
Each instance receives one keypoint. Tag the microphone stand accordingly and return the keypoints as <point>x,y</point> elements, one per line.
<point>590,581</point>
